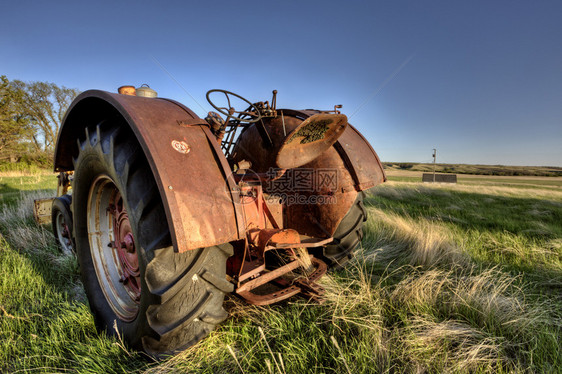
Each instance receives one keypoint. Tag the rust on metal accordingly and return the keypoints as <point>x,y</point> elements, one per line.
<point>307,243</point>
<point>307,285</point>
<point>193,122</point>
<point>360,159</point>
<point>358,168</point>
<point>198,190</point>
<point>42,210</point>
<point>310,139</point>
<point>353,146</point>
<point>271,298</point>
<point>127,90</point>
<point>356,165</point>
<point>267,277</point>
<point>249,267</point>
<point>252,271</point>
<point>288,286</point>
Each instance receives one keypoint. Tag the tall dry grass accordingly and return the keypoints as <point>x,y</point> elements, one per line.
<point>392,237</point>
<point>21,231</point>
<point>413,300</point>
<point>445,189</point>
<point>456,315</point>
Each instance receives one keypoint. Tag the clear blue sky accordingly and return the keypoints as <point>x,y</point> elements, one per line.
<point>481,81</point>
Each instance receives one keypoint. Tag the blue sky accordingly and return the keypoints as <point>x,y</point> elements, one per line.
<point>481,81</point>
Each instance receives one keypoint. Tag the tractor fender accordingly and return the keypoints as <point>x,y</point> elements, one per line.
<point>193,176</point>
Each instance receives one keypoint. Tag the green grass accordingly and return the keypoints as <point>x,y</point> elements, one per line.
<point>450,278</point>
<point>13,188</point>
<point>45,324</point>
<point>517,230</point>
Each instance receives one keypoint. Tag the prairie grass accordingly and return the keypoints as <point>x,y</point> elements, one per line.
<point>448,279</point>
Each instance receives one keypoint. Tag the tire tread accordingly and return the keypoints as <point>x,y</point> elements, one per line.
<point>184,294</point>
<point>347,237</point>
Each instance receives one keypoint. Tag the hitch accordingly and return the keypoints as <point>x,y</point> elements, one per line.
<point>285,273</point>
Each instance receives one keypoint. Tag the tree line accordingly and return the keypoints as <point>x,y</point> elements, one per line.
<point>31,115</point>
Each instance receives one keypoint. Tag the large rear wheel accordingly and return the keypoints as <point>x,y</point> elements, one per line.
<point>158,300</point>
<point>347,236</point>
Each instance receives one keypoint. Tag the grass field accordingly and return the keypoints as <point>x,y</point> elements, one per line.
<point>15,185</point>
<point>449,278</point>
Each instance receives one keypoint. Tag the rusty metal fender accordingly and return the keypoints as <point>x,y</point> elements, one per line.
<point>192,174</point>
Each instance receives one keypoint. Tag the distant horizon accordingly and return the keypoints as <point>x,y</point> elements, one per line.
<point>464,163</point>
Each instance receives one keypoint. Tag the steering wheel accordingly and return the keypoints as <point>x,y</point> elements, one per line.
<point>252,111</point>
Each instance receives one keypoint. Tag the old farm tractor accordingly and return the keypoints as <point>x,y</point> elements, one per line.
<point>167,212</point>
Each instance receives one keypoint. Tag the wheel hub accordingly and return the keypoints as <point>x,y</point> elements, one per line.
<point>113,248</point>
<point>124,244</point>
<point>63,233</point>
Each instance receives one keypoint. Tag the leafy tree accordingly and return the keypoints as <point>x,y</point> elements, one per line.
<point>45,104</point>
<point>15,125</point>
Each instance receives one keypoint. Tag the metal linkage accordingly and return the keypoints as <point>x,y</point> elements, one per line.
<point>291,278</point>
<point>266,268</point>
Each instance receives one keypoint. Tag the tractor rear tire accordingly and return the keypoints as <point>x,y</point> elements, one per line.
<point>61,219</point>
<point>156,299</point>
<point>347,236</point>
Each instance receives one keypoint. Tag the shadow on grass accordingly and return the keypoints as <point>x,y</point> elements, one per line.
<point>6,188</point>
<point>8,194</point>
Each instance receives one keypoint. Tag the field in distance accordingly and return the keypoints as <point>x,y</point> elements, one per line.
<point>527,182</point>
<point>498,170</point>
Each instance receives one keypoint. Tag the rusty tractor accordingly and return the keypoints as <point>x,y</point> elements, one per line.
<point>168,212</point>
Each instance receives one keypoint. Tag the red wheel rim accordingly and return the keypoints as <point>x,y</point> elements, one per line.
<point>113,248</point>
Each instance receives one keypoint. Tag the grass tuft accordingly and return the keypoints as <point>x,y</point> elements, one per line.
<point>402,239</point>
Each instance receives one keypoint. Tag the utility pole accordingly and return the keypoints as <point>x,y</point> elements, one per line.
<point>434,156</point>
